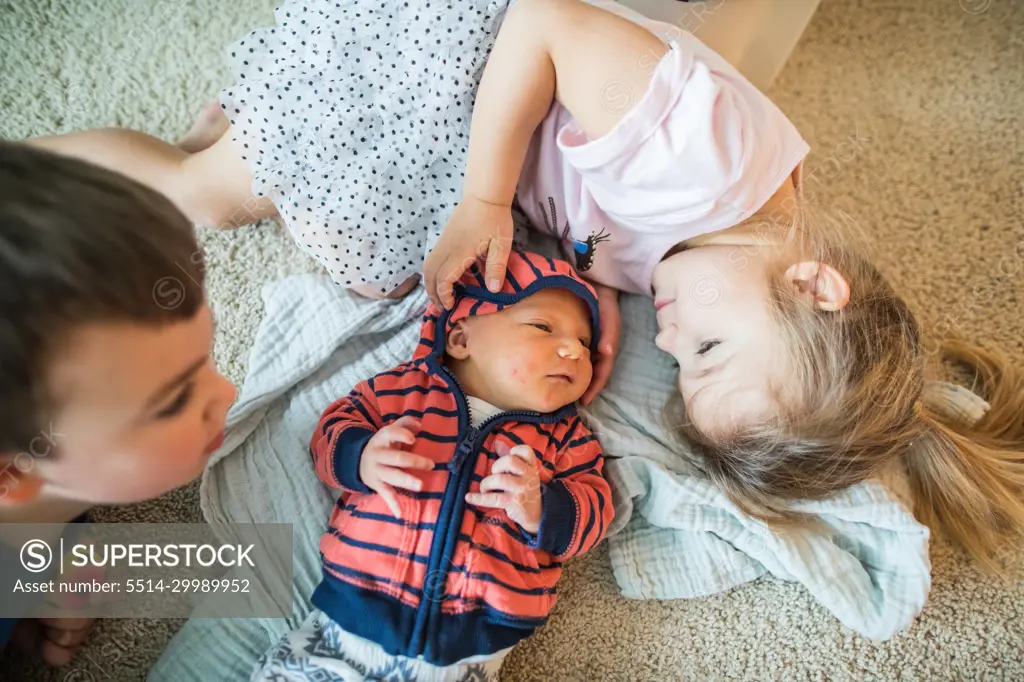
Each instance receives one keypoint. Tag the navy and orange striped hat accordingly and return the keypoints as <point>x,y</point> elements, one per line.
<point>526,274</point>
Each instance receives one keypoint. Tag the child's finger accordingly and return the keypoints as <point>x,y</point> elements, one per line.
<point>390,498</point>
<point>441,291</point>
<point>503,482</point>
<point>497,259</point>
<point>501,448</point>
<point>397,433</point>
<point>453,270</point>
<point>608,345</point>
<point>434,300</point>
<point>430,270</point>
<point>399,478</point>
<point>407,422</point>
<point>524,453</point>
<point>450,272</point>
<point>510,464</point>
<point>611,321</point>
<point>445,295</point>
<point>495,500</point>
<point>602,371</point>
<point>404,460</point>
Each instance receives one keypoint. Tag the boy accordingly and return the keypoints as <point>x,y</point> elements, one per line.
<point>108,393</point>
<point>467,479</point>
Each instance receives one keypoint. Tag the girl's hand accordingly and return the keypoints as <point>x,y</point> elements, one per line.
<point>476,230</point>
<point>608,345</point>
<point>514,486</point>
<point>383,460</point>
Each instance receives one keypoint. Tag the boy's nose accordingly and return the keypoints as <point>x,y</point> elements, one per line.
<point>222,400</point>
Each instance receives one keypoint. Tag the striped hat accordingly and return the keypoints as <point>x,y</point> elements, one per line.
<point>526,274</point>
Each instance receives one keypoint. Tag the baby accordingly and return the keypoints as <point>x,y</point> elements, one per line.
<point>467,479</point>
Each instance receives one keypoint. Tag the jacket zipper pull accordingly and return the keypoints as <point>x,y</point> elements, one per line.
<point>464,450</point>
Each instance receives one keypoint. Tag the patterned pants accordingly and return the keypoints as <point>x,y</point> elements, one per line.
<point>320,651</point>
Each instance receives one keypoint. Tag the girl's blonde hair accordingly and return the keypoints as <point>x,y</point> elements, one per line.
<point>852,402</point>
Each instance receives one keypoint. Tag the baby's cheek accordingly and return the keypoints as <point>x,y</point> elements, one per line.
<point>586,371</point>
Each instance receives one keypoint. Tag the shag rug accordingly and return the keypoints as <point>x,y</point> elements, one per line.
<point>915,112</point>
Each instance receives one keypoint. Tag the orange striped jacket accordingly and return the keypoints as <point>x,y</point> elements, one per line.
<point>449,580</point>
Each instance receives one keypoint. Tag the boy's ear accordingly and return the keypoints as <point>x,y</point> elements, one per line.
<point>822,284</point>
<point>16,487</point>
<point>457,341</point>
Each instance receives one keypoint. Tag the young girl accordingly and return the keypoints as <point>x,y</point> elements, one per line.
<point>667,174</point>
<point>664,172</point>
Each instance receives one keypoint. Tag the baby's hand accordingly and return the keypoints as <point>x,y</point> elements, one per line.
<point>383,460</point>
<point>477,230</point>
<point>514,485</point>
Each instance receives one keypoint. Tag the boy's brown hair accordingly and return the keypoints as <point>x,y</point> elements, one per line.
<point>79,244</point>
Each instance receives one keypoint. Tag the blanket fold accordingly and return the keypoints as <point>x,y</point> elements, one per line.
<point>674,535</point>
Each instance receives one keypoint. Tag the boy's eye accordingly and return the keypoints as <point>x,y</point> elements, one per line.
<point>707,345</point>
<point>585,342</point>
<point>541,326</point>
<point>179,403</point>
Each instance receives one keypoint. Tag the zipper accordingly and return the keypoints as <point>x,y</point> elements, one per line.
<point>465,444</point>
<point>462,392</point>
<point>468,444</point>
<point>464,450</point>
<point>438,565</point>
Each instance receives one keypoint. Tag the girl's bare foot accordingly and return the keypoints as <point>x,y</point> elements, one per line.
<point>209,126</point>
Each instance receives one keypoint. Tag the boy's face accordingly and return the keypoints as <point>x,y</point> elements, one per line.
<point>534,355</point>
<point>140,409</point>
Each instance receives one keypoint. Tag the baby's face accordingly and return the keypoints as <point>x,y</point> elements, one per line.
<point>534,355</point>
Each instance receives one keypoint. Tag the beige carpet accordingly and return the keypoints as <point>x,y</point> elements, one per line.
<point>915,110</point>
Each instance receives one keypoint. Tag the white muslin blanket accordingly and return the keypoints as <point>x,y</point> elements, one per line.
<point>674,534</point>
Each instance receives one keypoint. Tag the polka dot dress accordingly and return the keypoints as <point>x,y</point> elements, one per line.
<point>354,118</point>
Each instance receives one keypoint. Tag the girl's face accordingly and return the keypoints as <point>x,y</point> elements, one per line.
<point>715,320</point>
<point>141,410</point>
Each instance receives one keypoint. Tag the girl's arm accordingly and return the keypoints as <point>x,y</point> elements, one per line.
<point>594,63</point>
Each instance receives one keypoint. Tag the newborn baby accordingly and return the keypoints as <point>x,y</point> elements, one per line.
<point>467,479</point>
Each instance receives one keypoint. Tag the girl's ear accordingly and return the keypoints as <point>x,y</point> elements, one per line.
<point>457,341</point>
<point>16,487</point>
<point>822,284</point>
